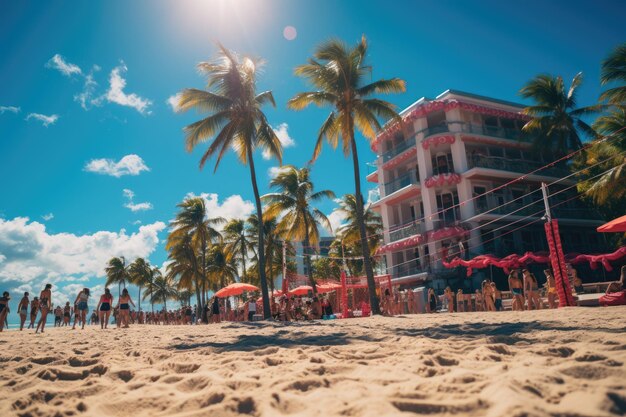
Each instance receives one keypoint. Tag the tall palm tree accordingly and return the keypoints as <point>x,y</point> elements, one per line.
<point>349,231</point>
<point>117,272</point>
<point>293,202</point>
<point>273,246</point>
<point>139,273</point>
<point>236,121</point>
<point>614,71</point>
<point>193,220</point>
<point>339,74</point>
<point>164,290</point>
<point>556,118</point>
<point>238,243</point>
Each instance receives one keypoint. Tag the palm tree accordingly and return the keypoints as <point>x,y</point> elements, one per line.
<point>292,202</point>
<point>184,266</point>
<point>192,220</point>
<point>236,121</point>
<point>610,185</point>
<point>238,243</point>
<point>220,267</point>
<point>349,231</point>
<point>140,274</point>
<point>117,272</point>
<point>273,246</point>
<point>614,70</point>
<point>339,74</point>
<point>556,120</point>
<point>163,290</point>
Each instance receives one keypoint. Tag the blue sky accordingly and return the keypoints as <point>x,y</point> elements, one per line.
<point>128,58</point>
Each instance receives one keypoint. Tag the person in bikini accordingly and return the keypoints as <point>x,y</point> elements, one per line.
<point>449,295</point>
<point>550,288</point>
<point>45,304</point>
<point>531,289</point>
<point>488,296</point>
<point>22,309</point>
<point>4,308</point>
<point>497,296</point>
<point>34,308</point>
<point>515,286</point>
<point>81,303</point>
<point>104,308</point>
<point>67,314</point>
<point>123,303</point>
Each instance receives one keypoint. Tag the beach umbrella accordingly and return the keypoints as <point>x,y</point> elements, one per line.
<point>323,288</point>
<point>235,289</point>
<point>616,225</point>
<point>301,290</point>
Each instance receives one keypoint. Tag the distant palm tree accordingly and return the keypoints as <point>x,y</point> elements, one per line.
<point>193,220</point>
<point>557,121</point>
<point>185,266</point>
<point>293,202</point>
<point>273,245</point>
<point>614,71</point>
<point>220,267</point>
<point>164,290</point>
<point>236,121</point>
<point>117,272</point>
<point>340,74</point>
<point>238,243</point>
<point>349,231</point>
<point>140,273</point>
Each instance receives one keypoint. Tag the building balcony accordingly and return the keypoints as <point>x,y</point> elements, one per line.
<point>497,132</point>
<point>514,165</point>
<point>406,270</point>
<point>536,210</point>
<point>403,181</point>
<point>405,230</point>
<point>398,149</point>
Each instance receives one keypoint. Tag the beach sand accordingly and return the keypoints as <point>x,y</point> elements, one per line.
<point>558,363</point>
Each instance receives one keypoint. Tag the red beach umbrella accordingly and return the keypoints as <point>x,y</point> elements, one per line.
<point>235,289</point>
<point>301,290</point>
<point>616,225</point>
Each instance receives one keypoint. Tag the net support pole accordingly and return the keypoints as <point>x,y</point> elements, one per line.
<point>285,284</point>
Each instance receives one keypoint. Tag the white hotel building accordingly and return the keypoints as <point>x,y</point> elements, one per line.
<point>447,151</point>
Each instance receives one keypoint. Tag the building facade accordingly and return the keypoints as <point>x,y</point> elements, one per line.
<point>441,191</point>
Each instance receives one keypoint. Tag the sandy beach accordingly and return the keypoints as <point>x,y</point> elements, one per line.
<point>567,362</point>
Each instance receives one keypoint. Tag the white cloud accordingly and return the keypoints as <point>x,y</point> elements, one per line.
<point>34,256</point>
<point>131,205</point>
<point>272,172</point>
<point>173,101</point>
<point>10,109</point>
<point>45,120</point>
<point>48,217</point>
<point>336,219</point>
<point>233,207</point>
<point>284,138</point>
<point>66,68</point>
<point>85,97</point>
<point>116,94</point>
<point>129,165</point>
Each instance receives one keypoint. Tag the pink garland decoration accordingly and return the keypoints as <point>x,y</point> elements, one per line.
<point>441,179</point>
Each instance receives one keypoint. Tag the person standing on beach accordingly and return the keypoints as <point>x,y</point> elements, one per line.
<point>45,304</point>
<point>22,309</point>
<point>432,301</point>
<point>488,294</point>
<point>515,286</point>
<point>550,288</point>
<point>531,289</point>
<point>34,308</point>
<point>449,296</point>
<point>215,310</point>
<point>497,296</point>
<point>123,303</point>
<point>67,314</point>
<point>4,308</point>
<point>251,309</point>
<point>104,308</point>
<point>81,303</point>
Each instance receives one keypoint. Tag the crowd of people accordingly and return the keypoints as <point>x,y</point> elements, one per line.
<point>523,287</point>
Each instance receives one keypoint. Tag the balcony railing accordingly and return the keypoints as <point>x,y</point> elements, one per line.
<point>498,132</point>
<point>536,209</point>
<point>401,182</point>
<point>513,165</point>
<point>406,270</point>
<point>406,230</point>
<point>398,149</point>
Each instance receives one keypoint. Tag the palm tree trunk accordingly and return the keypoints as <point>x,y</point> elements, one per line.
<point>243,261</point>
<point>198,305</point>
<point>307,259</point>
<point>367,264</point>
<point>205,319</point>
<point>270,259</point>
<point>139,300</point>
<point>259,212</point>
<point>119,288</point>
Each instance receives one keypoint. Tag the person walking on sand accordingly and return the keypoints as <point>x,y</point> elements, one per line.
<point>550,288</point>
<point>22,309</point>
<point>531,289</point>
<point>4,308</point>
<point>449,296</point>
<point>251,309</point>
<point>497,296</point>
<point>34,308</point>
<point>104,308</point>
<point>432,301</point>
<point>67,314</point>
<point>488,296</point>
<point>515,286</point>
<point>123,303</point>
<point>81,303</point>
<point>215,309</point>
<point>45,304</point>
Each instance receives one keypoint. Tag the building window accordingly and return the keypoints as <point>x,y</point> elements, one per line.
<point>480,199</point>
<point>442,164</point>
